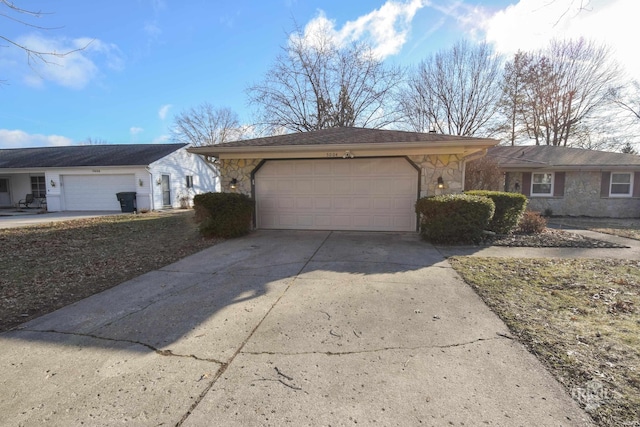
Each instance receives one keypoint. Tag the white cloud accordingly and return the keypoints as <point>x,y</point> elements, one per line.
<point>73,64</point>
<point>530,24</point>
<point>164,110</point>
<point>386,28</point>
<point>21,139</point>
<point>134,130</point>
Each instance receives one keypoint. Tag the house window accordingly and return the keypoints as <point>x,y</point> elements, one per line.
<point>542,184</point>
<point>621,183</point>
<point>38,187</point>
<point>189,181</point>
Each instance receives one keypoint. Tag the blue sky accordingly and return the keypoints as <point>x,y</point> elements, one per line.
<point>146,60</point>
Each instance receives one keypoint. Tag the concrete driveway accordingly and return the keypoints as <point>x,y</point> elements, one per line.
<point>299,328</point>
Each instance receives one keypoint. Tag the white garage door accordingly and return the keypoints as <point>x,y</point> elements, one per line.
<point>337,194</point>
<point>95,192</point>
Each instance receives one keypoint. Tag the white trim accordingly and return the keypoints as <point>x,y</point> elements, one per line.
<point>550,193</point>
<point>630,193</point>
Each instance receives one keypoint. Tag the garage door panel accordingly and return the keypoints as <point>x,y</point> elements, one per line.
<point>95,192</point>
<point>305,203</point>
<point>337,194</point>
<point>362,222</point>
<point>319,168</point>
<point>342,221</point>
<point>304,186</point>
<point>341,169</point>
<point>385,204</point>
<point>323,186</point>
<point>322,220</point>
<point>361,186</point>
<point>362,203</point>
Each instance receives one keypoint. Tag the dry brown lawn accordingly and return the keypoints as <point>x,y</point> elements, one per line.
<point>580,317</point>
<point>46,267</point>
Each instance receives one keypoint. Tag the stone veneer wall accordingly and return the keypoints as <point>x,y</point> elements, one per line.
<point>581,198</point>
<point>449,166</point>
<point>239,169</point>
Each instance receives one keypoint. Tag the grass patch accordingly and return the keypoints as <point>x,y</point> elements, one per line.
<point>43,268</point>
<point>580,317</point>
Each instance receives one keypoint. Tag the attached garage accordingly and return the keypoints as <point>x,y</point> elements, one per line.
<point>343,178</point>
<point>337,194</point>
<point>95,192</point>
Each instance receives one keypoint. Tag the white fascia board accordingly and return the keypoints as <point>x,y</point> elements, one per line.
<point>464,148</point>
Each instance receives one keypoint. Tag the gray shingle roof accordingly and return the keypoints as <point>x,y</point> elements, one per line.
<point>539,156</point>
<point>344,135</point>
<point>85,155</point>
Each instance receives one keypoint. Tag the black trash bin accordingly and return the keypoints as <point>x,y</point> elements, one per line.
<point>127,201</point>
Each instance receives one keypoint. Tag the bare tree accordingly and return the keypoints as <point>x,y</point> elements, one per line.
<point>22,16</point>
<point>628,98</point>
<point>512,101</point>
<point>567,86</point>
<point>483,174</point>
<point>316,83</point>
<point>94,141</point>
<point>454,91</point>
<point>206,125</point>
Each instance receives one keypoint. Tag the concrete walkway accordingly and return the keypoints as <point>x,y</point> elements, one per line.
<point>299,328</point>
<point>632,250</point>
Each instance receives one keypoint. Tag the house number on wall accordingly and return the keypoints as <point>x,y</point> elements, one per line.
<point>333,155</point>
<point>95,170</point>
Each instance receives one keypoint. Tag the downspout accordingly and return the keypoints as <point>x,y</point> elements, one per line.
<point>152,206</point>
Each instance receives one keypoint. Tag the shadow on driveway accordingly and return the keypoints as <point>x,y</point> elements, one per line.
<point>306,328</point>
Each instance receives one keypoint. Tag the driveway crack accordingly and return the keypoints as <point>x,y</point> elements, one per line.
<point>378,350</point>
<point>167,352</point>
<point>224,367</point>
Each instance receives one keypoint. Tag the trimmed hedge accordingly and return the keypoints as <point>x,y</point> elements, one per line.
<point>509,209</point>
<point>454,218</point>
<point>223,214</point>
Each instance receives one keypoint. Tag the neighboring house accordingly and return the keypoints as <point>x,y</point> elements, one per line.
<point>572,181</point>
<point>87,177</point>
<point>344,178</point>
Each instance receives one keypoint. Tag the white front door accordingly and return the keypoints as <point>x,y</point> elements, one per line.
<point>5,197</point>
<point>375,194</point>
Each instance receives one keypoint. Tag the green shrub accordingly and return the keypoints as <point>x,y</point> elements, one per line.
<point>531,223</point>
<point>223,214</point>
<point>509,209</point>
<point>454,218</point>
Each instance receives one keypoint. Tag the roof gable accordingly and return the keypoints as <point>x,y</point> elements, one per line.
<point>86,155</point>
<point>549,156</point>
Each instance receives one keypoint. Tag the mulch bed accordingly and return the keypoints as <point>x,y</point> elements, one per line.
<point>551,238</point>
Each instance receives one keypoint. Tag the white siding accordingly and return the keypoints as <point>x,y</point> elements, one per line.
<point>178,165</point>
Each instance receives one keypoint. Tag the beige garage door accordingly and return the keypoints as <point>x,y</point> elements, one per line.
<point>337,194</point>
<point>95,192</point>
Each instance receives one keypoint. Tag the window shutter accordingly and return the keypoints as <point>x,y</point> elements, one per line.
<point>558,184</point>
<point>526,183</point>
<point>636,184</point>
<point>604,184</point>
